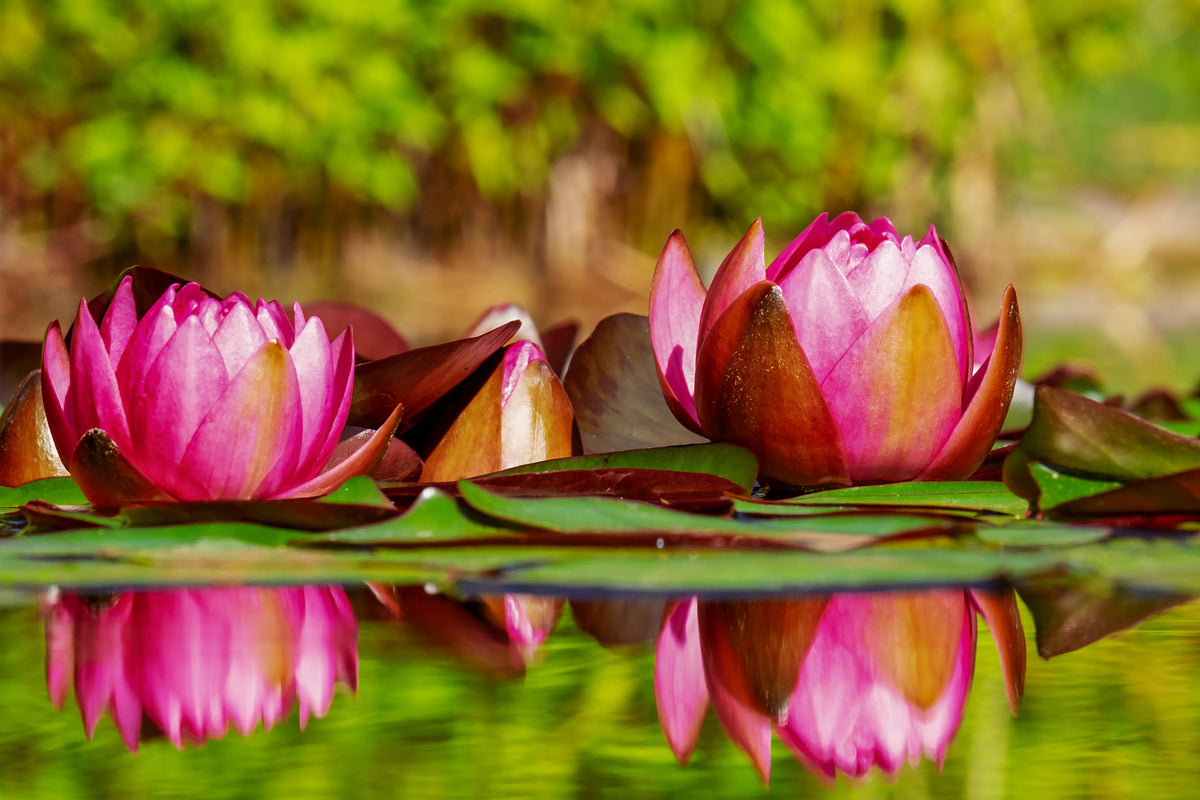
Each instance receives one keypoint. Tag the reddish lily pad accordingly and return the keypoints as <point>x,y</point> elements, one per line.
<point>374,336</point>
<point>1070,614</point>
<point>614,388</point>
<point>1079,438</point>
<point>690,491</point>
<point>419,377</point>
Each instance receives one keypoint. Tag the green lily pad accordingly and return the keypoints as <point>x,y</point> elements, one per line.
<point>1077,438</point>
<point>609,516</point>
<point>434,517</point>
<point>59,491</point>
<point>968,495</point>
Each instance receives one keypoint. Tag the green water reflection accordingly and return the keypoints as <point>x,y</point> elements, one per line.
<point>1120,718</point>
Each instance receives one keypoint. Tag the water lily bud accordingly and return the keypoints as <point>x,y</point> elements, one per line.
<point>848,359</point>
<point>519,416</point>
<point>201,399</point>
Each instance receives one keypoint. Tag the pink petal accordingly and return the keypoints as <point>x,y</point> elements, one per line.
<point>931,267</point>
<point>153,332</point>
<point>275,323</point>
<point>181,387</point>
<point>745,727</point>
<point>895,395</point>
<point>246,446</point>
<point>825,310</point>
<point>59,621</point>
<point>95,398</point>
<point>680,690</point>
<point>56,391</point>
<point>312,356</point>
<point>341,391</point>
<point>880,277</point>
<point>744,267</point>
<point>120,321</point>
<point>237,336</point>
<point>676,302</point>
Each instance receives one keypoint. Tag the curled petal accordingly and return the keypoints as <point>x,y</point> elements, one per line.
<point>676,302</point>
<point>754,387</point>
<point>988,397</point>
<point>361,462</point>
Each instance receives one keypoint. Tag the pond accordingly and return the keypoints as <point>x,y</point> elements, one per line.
<point>408,692</point>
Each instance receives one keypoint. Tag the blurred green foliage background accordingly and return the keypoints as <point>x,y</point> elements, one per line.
<point>430,159</point>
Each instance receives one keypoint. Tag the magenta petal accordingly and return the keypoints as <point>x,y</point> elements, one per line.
<point>814,236</point>
<point>119,321</point>
<point>246,446</point>
<point>312,359</point>
<point>95,398</point>
<point>342,391</point>
<point>825,310</point>
<point>680,690</point>
<point>676,302</point>
<point>517,357</point>
<point>152,334</point>
<point>56,389</point>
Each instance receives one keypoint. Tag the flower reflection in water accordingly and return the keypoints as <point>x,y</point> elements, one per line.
<point>847,682</point>
<point>190,662</point>
<point>497,633</point>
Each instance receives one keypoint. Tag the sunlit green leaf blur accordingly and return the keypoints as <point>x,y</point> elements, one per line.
<point>383,151</point>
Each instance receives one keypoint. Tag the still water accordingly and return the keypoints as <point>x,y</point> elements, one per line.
<point>409,694</point>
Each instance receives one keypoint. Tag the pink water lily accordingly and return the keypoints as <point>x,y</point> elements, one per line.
<point>193,662</point>
<point>848,359</point>
<point>848,684</point>
<point>201,399</point>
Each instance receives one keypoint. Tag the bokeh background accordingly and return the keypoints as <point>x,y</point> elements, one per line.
<point>429,159</point>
